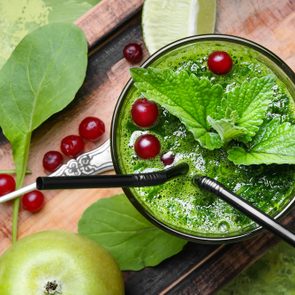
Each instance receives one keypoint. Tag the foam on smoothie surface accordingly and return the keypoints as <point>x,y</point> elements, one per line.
<point>179,203</point>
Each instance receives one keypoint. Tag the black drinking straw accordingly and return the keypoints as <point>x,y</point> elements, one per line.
<point>160,177</point>
<point>245,207</point>
<point>106,181</point>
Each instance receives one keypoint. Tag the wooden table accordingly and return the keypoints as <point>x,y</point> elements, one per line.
<point>199,269</point>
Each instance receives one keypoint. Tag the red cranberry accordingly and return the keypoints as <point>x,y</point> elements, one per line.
<point>7,184</point>
<point>167,158</point>
<point>91,128</point>
<point>220,62</point>
<point>147,146</point>
<point>52,160</point>
<point>33,201</point>
<point>133,53</point>
<point>72,145</point>
<point>144,113</point>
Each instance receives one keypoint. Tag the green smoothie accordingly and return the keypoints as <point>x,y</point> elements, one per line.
<point>178,203</point>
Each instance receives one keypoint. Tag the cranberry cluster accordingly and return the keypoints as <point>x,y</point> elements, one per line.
<point>91,128</point>
<point>145,114</point>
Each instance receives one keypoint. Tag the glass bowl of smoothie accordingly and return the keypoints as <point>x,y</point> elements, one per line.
<point>178,206</point>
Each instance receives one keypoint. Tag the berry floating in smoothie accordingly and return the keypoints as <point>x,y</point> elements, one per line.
<point>144,113</point>
<point>147,146</point>
<point>167,158</point>
<point>220,62</point>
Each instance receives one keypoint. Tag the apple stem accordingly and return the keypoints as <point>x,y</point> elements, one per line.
<point>52,288</point>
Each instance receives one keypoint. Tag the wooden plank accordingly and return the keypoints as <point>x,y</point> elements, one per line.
<point>270,23</point>
<point>153,280</point>
<point>199,269</point>
<point>106,17</point>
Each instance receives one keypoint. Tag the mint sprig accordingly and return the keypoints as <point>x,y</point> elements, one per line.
<point>216,117</point>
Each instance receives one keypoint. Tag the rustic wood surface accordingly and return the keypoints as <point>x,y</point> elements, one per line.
<point>199,269</point>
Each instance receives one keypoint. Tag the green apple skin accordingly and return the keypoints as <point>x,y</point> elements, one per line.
<point>78,265</point>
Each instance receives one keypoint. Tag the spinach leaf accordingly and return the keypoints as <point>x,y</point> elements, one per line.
<point>185,96</point>
<point>273,144</point>
<point>243,109</point>
<point>133,241</point>
<point>39,79</point>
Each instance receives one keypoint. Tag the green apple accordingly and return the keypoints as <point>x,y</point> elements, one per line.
<point>58,263</point>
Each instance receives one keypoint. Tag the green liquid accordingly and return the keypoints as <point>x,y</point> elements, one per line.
<point>179,203</point>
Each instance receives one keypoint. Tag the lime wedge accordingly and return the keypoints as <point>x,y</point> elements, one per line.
<point>164,21</point>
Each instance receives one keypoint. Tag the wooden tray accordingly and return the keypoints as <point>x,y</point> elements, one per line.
<point>199,269</point>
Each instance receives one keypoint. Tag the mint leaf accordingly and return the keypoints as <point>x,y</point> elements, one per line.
<point>273,144</point>
<point>186,97</point>
<point>244,109</point>
<point>133,241</point>
<point>40,78</point>
<point>226,129</point>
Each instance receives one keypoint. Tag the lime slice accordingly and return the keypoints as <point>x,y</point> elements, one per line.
<point>165,21</point>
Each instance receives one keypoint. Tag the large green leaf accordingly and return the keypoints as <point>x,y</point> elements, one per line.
<point>19,17</point>
<point>185,96</point>
<point>273,144</point>
<point>133,241</point>
<point>40,78</point>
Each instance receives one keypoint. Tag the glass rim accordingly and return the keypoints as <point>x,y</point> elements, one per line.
<point>166,49</point>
